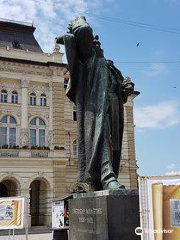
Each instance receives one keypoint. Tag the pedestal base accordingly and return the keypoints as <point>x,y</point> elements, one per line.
<point>105,215</point>
<point>60,234</point>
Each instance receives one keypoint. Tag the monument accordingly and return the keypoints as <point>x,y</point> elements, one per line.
<point>99,91</point>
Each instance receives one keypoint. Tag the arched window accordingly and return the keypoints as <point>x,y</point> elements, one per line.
<point>14,97</point>
<point>75,148</point>
<point>33,99</point>
<point>4,96</point>
<point>43,99</point>
<point>74,113</point>
<point>37,132</point>
<point>8,131</point>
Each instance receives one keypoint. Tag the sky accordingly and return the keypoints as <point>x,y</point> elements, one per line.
<point>153,65</point>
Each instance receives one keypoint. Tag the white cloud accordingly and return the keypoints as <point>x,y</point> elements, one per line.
<point>172,166</point>
<point>173,173</point>
<point>157,69</point>
<point>49,16</point>
<point>173,170</point>
<point>162,115</point>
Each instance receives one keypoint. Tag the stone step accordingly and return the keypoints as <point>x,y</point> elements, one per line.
<point>32,230</point>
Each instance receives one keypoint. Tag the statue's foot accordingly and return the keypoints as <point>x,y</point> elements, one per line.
<point>114,184</point>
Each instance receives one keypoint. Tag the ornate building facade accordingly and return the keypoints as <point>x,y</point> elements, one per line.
<point>38,137</point>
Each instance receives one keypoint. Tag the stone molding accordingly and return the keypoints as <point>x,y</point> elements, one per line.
<point>40,176</point>
<point>41,89</point>
<point>24,137</point>
<point>11,85</point>
<point>24,83</point>
<point>11,110</point>
<point>12,176</point>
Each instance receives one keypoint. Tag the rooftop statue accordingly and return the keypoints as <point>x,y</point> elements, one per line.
<point>99,91</point>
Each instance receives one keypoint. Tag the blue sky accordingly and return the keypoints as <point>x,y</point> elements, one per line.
<point>157,109</point>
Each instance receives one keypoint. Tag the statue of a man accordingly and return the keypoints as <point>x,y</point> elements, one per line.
<point>99,91</point>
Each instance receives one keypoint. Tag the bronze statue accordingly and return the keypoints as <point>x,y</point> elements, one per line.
<point>99,91</point>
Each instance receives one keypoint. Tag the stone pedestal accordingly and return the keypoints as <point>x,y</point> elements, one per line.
<point>104,215</point>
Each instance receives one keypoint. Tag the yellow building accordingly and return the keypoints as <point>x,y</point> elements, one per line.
<point>38,154</point>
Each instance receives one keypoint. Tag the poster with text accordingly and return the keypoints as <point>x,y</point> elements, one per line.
<point>160,207</point>
<point>58,215</point>
<point>12,213</point>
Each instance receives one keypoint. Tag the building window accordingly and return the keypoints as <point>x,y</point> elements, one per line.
<point>43,100</point>
<point>37,132</point>
<point>41,137</point>
<point>66,80</point>
<point>74,113</point>
<point>8,131</point>
<point>75,148</point>
<point>4,96</point>
<point>14,97</point>
<point>33,99</point>
<point>33,137</point>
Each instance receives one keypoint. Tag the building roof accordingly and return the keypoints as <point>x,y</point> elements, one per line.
<point>18,35</point>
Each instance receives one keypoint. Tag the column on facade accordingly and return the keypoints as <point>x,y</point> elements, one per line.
<point>131,141</point>
<point>24,137</point>
<point>25,192</point>
<point>50,132</point>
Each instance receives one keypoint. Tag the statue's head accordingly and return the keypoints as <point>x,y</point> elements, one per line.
<point>76,24</point>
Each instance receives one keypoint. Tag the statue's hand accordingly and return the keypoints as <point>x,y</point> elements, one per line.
<point>60,40</point>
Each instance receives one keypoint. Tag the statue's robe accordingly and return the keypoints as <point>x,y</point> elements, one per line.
<point>100,122</point>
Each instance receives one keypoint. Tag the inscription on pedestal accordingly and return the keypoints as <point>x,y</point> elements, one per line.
<point>88,223</point>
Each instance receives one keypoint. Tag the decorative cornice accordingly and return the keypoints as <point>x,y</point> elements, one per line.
<point>38,63</point>
<point>32,69</point>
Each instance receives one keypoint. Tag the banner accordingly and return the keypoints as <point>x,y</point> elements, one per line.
<point>160,207</point>
<point>12,213</point>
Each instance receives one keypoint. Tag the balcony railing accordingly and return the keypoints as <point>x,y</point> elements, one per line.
<point>29,153</point>
<point>39,153</point>
<point>10,153</point>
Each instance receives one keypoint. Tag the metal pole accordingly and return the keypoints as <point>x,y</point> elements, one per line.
<point>9,234</point>
<point>26,219</point>
<point>13,234</point>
